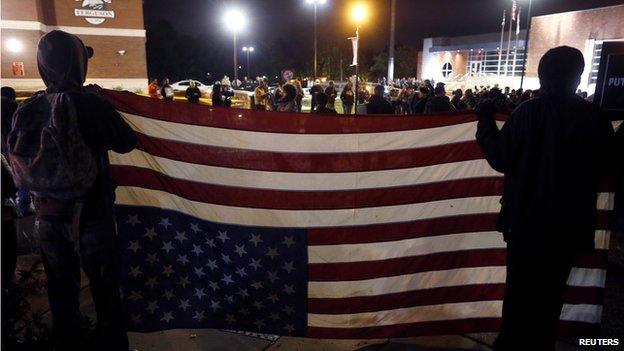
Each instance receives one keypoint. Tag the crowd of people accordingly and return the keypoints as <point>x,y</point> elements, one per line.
<point>552,152</point>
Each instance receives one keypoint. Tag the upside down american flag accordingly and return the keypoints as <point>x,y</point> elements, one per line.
<point>318,226</point>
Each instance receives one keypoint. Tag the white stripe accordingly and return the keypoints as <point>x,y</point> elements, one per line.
<point>404,248</point>
<point>135,196</point>
<point>34,25</point>
<point>450,311</point>
<point>305,181</point>
<point>302,143</point>
<point>378,251</point>
<point>582,313</point>
<point>435,279</point>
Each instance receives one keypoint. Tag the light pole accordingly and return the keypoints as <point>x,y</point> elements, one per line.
<point>248,50</point>
<point>315,4</point>
<point>358,13</point>
<point>234,21</point>
<point>526,44</point>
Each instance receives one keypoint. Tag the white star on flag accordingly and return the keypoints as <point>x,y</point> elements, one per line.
<point>165,222</point>
<point>150,233</point>
<point>180,236</point>
<point>223,236</point>
<point>255,239</point>
<point>134,246</point>
<point>133,220</point>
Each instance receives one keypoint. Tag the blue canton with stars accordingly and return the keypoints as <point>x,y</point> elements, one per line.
<point>182,272</point>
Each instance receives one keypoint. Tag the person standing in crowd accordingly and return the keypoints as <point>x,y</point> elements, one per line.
<point>457,102</point>
<point>192,93</point>
<point>152,89</point>
<point>552,151</point>
<point>322,105</point>
<point>377,104</point>
<point>217,97</point>
<point>440,102</point>
<point>227,93</point>
<point>166,91</point>
<point>9,233</point>
<point>299,99</point>
<point>75,213</point>
<point>314,91</point>
<point>469,99</point>
<point>288,103</point>
<point>332,94</point>
<point>347,96</point>
<point>278,94</point>
<point>260,96</point>
<point>418,106</point>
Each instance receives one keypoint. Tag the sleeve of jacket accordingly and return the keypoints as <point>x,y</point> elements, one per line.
<point>499,146</point>
<point>116,134</point>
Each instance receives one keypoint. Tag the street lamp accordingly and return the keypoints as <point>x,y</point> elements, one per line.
<point>315,4</point>
<point>526,44</point>
<point>248,50</point>
<point>358,14</point>
<point>235,22</point>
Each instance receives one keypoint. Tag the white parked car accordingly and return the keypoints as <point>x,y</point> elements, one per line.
<point>182,85</point>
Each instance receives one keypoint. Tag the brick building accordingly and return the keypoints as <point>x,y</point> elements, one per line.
<point>114,28</point>
<point>474,60</point>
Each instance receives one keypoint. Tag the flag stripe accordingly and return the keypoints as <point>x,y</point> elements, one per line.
<point>302,143</point>
<point>446,327</point>
<point>479,222</point>
<point>135,196</point>
<point>463,293</point>
<point>473,257</point>
<point>309,162</point>
<point>276,122</point>
<point>434,279</point>
<point>305,181</point>
<point>305,200</point>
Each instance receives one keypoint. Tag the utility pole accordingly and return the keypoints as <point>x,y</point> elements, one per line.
<point>391,45</point>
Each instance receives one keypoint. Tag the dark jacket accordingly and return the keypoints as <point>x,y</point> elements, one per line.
<point>324,110</point>
<point>552,151</point>
<point>192,94</point>
<point>377,105</point>
<point>163,92</point>
<point>418,105</point>
<point>438,104</point>
<point>348,98</point>
<point>217,97</point>
<point>101,126</point>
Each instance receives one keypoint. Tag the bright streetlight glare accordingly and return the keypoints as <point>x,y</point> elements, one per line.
<point>14,45</point>
<point>358,13</point>
<point>316,1</point>
<point>250,49</point>
<point>234,20</point>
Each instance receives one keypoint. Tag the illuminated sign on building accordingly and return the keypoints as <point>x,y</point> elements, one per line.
<point>94,11</point>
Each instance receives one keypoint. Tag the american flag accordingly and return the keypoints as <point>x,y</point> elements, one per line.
<point>317,226</point>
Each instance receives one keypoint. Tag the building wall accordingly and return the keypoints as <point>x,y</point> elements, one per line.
<point>119,42</point>
<point>578,29</point>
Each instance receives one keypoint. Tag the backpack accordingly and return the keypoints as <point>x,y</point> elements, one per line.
<point>47,153</point>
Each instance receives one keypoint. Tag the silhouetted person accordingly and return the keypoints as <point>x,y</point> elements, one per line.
<point>438,103</point>
<point>217,97</point>
<point>166,91</point>
<point>552,150</point>
<point>321,105</point>
<point>192,93</point>
<point>377,104</point>
<point>74,200</point>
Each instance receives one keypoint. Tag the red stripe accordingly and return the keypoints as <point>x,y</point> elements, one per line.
<point>305,200</point>
<point>405,265</point>
<point>278,122</point>
<point>453,294</point>
<point>446,327</point>
<point>309,162</point>
<point>345,271</point>
<point>406,230</point>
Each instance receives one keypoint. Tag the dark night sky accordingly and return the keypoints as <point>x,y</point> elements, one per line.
<point>293,20</point>
<point>416,19</point>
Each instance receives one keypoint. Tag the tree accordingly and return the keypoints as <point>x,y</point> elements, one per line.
<point>405,63</point>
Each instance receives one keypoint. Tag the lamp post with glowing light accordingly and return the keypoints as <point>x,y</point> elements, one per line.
<point>248,50</point>
<point>234,21</point>
<point>526,44</point>
<point>315,4</point>
<point>358,14</point>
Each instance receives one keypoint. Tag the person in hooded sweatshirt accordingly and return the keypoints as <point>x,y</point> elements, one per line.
<point>62,61</point>
<point>552,150</point>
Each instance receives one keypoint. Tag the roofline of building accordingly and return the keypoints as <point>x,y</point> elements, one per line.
<point>575,11</point>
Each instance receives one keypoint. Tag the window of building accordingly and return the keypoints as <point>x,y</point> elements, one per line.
<point>593,77</point>
<point>492,62</point>
<point>447,69</point>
